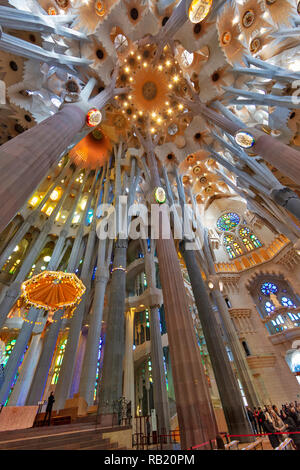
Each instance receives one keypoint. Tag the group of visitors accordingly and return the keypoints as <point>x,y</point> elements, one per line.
<point>271,421</point>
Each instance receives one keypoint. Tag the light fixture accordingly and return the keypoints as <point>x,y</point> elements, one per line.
<point>198,10</point>
<point>47,259</point>
<point>210,285</point>
<point>244,139</point>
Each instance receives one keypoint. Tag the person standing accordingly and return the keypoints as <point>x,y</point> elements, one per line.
<point>260,418</point>
<point>251,419</point>
<point>50,403</point>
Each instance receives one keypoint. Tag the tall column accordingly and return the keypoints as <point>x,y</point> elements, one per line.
<point>21,388</point>
<point>161,403</point>
<point>64,383</point>
<point>196,417</point>
<point>13,362</point>
<point>233,340</point>
<point>89,368</point>
<point>128,386</point>
<point>111,383</point>
<point>41,373</point>
<point>230,395</point>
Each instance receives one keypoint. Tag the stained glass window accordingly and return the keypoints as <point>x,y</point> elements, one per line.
<point>268,287</point>
<point>233,248</point>
<point>249,240</point>
<point>269,307</point>
<point>58,362</point>
<point>228,221</point>
<point>287,302</point>
<point>8,350</point>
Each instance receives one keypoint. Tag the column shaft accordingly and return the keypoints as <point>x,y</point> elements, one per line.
<point>13,362</point>
<point>230,395</point>
<point>111,384</point>
<point>196,417</point>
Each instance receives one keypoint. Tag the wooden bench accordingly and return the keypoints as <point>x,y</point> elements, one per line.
<point>59,420</point>
<point>287,444</point>
<point>233,445</point>
<point>257,445</point>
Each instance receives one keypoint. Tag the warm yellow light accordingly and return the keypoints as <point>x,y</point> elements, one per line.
<point>127,69</point>
<point>138,57</point>
<point>153,115</point>
<point>170,85</point>
<point>159,120</point>
<point>55,195</point>
<point>199,9</point>
<point>141,113</point>
<point>49,210</point>
<point>180,106</point>
<point>170,111</point>
<point>16,248</point>
<point>83,204</point>
<point>152,130</point>
<point>131,79</point>
<point>145,64</point>
<point>160,67</point>
<point>33,201</point>
<point>168,63</point>
<point>176,78</point>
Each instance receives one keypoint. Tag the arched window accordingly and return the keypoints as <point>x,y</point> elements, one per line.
<point>228,221</point>
<point>58,361</point>
<point>233,248</point>
<point>249,240</point>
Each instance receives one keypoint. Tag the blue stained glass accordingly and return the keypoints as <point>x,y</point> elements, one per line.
<point>287,302</point>
<point>268,287</point>
<point>228,221</point>
<point>269,307</point>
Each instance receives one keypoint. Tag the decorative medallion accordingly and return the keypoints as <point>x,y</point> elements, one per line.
<point>255,45</point>
<point>199,9</point>
<point>93,117</point>
<point>248,18</point>
<point>149,91</point>
<point>226,38</point>
<point>160,195</point>
<point>244,139</point>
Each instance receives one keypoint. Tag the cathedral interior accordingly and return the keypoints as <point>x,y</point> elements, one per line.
<point>112,112</point>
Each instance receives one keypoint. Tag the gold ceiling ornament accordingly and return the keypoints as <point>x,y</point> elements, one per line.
<point>100,8</point>
<point>149,101</point>
<point>199,10</point>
